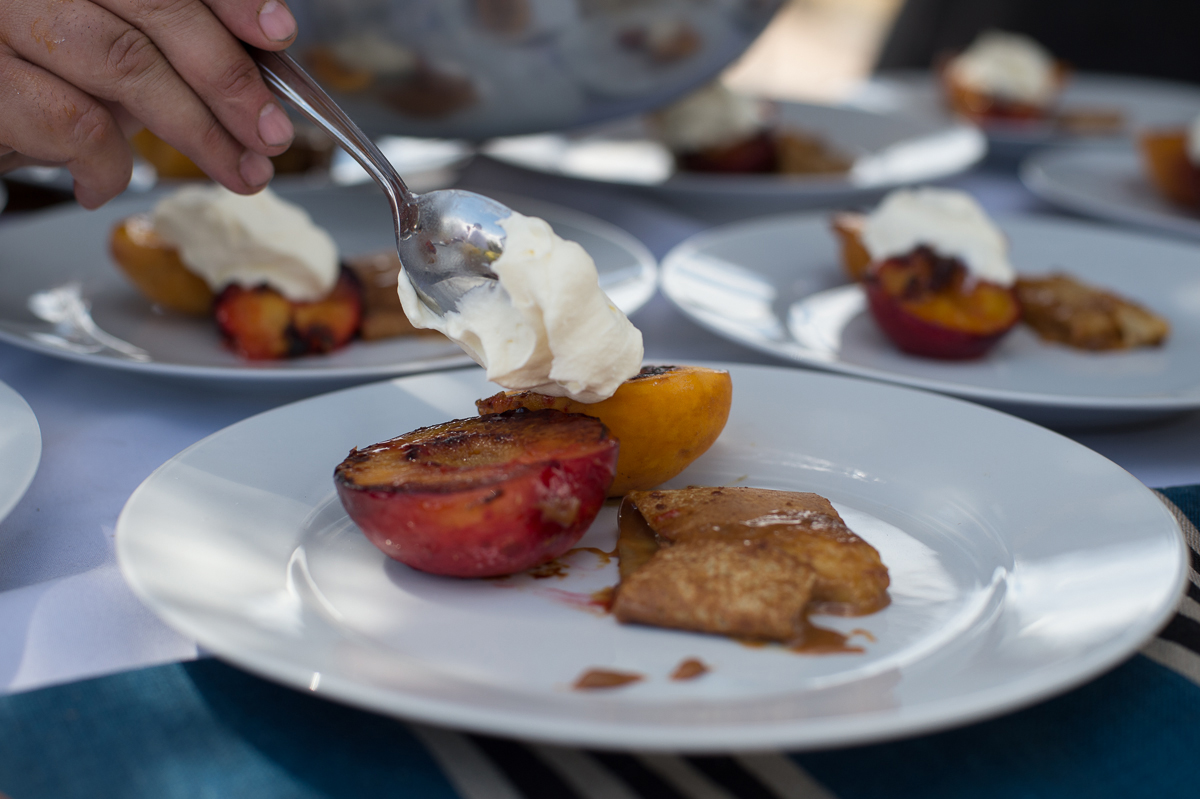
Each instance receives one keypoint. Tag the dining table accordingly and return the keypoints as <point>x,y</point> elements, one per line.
<point>99,697</point>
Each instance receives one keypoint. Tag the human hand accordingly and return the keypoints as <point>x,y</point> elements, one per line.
<point>79,76</point>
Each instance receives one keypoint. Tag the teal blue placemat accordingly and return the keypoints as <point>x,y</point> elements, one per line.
<point>205,729</point>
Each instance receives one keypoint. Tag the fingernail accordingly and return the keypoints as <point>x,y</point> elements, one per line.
<point>276,21</point>
<point>256,169</point>
<point>274,127</point>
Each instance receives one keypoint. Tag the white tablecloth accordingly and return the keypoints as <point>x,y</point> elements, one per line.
<point>66,614</point>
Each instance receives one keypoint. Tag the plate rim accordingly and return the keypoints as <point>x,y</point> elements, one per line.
<point>1034,175</point>
<point>1033,400</point>
<point>840,730</point>
<point>27,426</point>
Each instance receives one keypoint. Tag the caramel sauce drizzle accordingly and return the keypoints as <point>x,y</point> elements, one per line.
<point>603,598</point>
<point>599,679</point>
<point>690,669</point>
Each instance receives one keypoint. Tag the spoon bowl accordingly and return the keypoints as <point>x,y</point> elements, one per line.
<point>446,240</point>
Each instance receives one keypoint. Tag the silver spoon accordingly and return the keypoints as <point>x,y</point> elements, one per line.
<point>446,240</point>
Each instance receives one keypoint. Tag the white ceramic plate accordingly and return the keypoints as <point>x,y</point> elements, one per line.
<point>65,248</point>
<point>1144,102</point>
<point>20,448</point>
<point>1107,183</point>
<point>776,285</point>
<point>1021,564</point>
<point>889,150</point>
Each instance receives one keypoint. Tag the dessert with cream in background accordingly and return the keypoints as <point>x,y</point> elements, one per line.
<point>939,283</point>
<point>717,130</point>
<point>935,270</point>
<point>1003,77</point>
<point>260,266</point>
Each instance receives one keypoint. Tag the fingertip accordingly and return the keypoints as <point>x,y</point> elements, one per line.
<point>89,198</point>
<point>256,170</point>
<point>276,22</point>
<point>274,127</point>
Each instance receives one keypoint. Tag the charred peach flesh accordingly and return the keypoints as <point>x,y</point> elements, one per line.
<point>481,497</point>
<point>260,323</point>
<point>665,417</point>
<point>927,306</point>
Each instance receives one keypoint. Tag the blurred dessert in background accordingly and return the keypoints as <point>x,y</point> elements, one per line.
<point>1172,161</point>
<point>1063,309</point>
<point>716,130</point>
<point>311,150</point>
<point>935,270</point>
<point>1003,77</point>
<point>938,282</point>
<point>663,40</point>
<point>261,267</point>
<point>404,80</point>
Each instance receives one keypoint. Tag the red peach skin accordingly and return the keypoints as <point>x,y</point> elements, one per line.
<point>481,497</point>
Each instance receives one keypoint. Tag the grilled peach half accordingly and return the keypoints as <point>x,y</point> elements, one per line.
<point>481,497</point>
<point>927,306</point>
<point>856,258</point>
<point>259,323</point>
<point>665,417</point>
<point>1164,153</point>
<point>155,268</point>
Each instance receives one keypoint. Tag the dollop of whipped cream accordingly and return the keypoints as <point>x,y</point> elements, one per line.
<point>711,117</point>
<point>228,238</point>
<point>949,222</point>
<point>546,326</point>
<point>1008,66</point>
<point>1193,142</point>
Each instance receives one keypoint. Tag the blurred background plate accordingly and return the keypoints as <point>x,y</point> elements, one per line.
<point>889,150</point>
<point>1106,183</point>
<point>777,285</point>
<point>20,448</point>
<point>1143,102</point>
<point>62,249</point>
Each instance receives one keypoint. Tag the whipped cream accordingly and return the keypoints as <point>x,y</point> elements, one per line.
<point>710,117</point>
<point>229,238</point>
<point>546,326</point>
<point>1008,66</point>
<point>1193,142</point>
<point>949,222</point>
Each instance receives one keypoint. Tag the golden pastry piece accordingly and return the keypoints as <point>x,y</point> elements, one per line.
<point>732,560</point>
<point>383,315</point>
<point>748,589</point>
<point>1061,308</point>
<point>798,153</point>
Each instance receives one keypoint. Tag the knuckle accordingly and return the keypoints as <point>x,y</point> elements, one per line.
<point>91,129</point>
<point>148,9</point>
<point>132,56</point>
<point>236,79</point>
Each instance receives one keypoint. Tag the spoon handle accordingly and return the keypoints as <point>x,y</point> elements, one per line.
<point>288,80</point>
